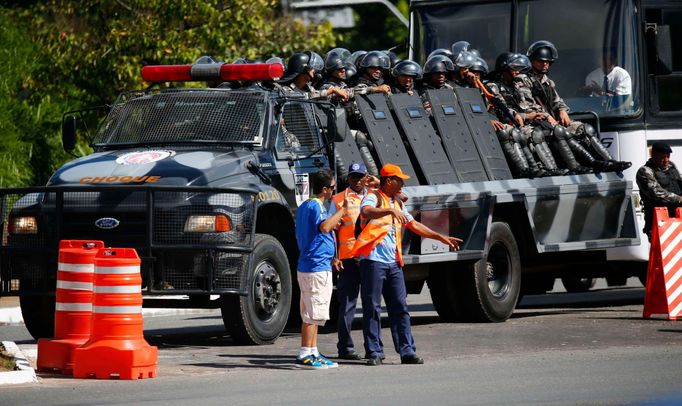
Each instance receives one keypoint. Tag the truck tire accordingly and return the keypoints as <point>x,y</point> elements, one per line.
<point>489,288</point>
<point>575,284</point>
<point>38,314</point>
<point>260,316</point>
<point>443,288</point>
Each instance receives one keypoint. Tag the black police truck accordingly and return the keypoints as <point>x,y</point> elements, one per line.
<point>204,184</point>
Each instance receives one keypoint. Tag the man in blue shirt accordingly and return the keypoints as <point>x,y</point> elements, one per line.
<point>316,245</point>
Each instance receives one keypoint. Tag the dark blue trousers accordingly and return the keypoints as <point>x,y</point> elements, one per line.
<point>377,278</point>
<point>347,290</point>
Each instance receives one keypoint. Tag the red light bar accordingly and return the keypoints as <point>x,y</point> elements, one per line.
<point>167,73</point>
<point>207,72</point>
<point>253,71</point>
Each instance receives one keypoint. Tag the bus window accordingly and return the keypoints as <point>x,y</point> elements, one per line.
<point>667,88</point>
<point>485,26</point>
<point>593,39</point>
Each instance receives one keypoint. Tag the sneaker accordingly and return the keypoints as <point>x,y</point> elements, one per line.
<point>310,362</point>
<point>326,361</point>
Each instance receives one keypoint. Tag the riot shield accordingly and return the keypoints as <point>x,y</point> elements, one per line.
<point>478,120</point>
<point>384,134</point>
<point>456,136</point>
<point>425,143</point>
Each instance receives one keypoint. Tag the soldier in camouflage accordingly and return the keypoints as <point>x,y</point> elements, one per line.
<point>660,184</point>
<point>581,138</point>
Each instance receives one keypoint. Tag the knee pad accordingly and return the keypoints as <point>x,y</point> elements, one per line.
<point>519,137</point>
<point>538,135</point>
<point>505,134</point>
<point>361,139</point>
<point>561,132</point>
<point>589,130</point>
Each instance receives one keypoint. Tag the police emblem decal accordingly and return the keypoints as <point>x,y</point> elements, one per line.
<point>144,157</point>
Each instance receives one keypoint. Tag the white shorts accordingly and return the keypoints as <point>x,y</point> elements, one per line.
<point>316,294</point>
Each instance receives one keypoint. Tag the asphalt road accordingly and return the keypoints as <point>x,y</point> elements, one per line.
<point>559,348</point>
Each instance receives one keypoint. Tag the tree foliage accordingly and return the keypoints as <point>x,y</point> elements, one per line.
<point>69,54</point>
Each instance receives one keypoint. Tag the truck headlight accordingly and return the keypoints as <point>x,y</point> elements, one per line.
<point>23,225</point>
<point>218,223</point>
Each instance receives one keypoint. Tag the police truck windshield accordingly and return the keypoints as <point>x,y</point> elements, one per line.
<point>588,34</point>
<point>184,116</point>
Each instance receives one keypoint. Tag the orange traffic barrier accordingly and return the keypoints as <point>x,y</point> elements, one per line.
<point>117,348</point>
<point>664,273</point>
<point>73,307</point>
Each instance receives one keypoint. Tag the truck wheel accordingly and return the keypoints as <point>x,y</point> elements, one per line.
<point>489,288</point>
<point>38,314</point>
<point>443,287</point>
<point>260,316</point>
<point>577,285</point>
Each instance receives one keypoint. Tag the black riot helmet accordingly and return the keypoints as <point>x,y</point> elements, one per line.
<point>356,57</point>
<point>303,62</point>
<point>375,59</point>
<point>463,46</point>
<point>465,59</point>
<point>438,63</point>
<point>440,51</point>
<point>542,50</point>
<point>407,68</point>
<point>393,58</point>
<point>351,70</point>
<point>520,63</point>
<point>336,59</point>
<point>502,61</point>
<point>479,65</point>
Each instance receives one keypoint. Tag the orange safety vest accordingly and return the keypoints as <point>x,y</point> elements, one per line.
<point>346,230</point>
<point>375,230</point>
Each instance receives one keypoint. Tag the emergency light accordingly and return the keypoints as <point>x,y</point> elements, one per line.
<point>214,71</point>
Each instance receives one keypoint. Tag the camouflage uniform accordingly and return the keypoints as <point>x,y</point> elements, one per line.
<point>658,187</point>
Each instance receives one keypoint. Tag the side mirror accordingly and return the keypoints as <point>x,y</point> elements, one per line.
<point>659,49</point>
<point>341,125</point>
<point>69,133</point>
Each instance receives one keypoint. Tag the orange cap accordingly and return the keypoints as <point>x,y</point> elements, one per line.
<point>389,170</point>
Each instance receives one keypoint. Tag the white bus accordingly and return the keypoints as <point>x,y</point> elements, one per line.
<point>645,37</point>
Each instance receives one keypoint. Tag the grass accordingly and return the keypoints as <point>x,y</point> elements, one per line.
<point>6,360</point>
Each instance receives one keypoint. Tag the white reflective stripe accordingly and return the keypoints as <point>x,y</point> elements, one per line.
<point>675,294</point>
<point>85,268</point>
<point>74,285</point>
<point>672,264</point>
<point>74,307</point>
<point>118,289</point>
<point>673,279</point>
<point>668,232</point>
<point>672,244</point>
<point>105,270</point>
<point>117,309</point>
<point>676,310</point>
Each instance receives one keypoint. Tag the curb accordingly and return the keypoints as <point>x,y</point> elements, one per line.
<point>24,372</point>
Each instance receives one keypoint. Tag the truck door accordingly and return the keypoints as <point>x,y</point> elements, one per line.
<point>299,150</point>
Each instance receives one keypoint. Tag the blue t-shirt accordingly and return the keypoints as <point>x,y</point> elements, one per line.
<point>385,251</point>
<point>316,249</point>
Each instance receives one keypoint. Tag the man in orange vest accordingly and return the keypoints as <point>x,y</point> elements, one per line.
<point>348,284</point>
<point>378,246</point>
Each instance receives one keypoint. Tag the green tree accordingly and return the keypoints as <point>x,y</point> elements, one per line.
<point>67,54</point>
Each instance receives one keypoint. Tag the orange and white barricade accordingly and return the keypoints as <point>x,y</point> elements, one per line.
<point>73,307</point>
<point>664,273</point>
<point>117,348</point>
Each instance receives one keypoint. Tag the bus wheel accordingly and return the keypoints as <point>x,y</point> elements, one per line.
<point>489,288</point>
<point>261,315</point>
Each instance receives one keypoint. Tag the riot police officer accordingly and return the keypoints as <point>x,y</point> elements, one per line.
<point>406,73</point>
<point>436,71</point>
<point>462,76</point>
<point>660,184</point>
<point>304,68</point>
<point>581,137</point>
<point>372,69</point>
